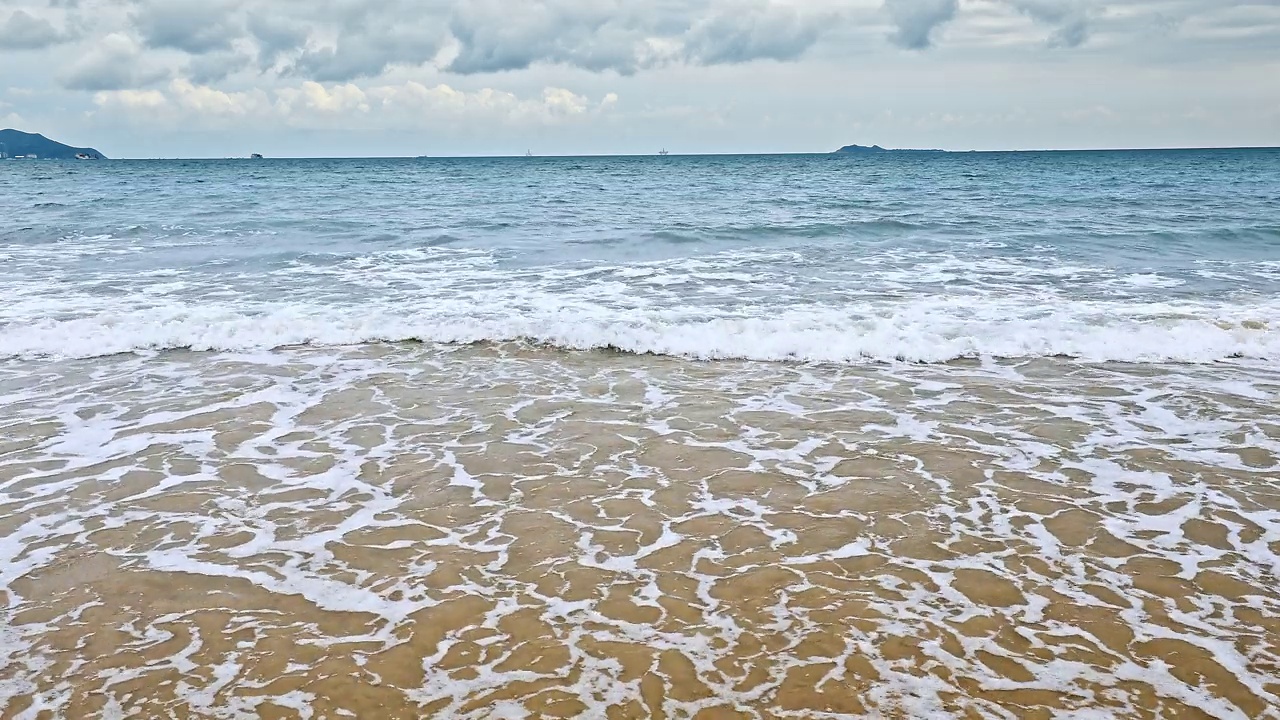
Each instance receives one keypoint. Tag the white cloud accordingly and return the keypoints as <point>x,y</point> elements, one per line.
<point>313,104</point>
<point>314,99</point>
<point>145,100</point>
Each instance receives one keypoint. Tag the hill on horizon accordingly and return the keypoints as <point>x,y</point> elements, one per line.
<point>849,149</point>
<point>15,142</point>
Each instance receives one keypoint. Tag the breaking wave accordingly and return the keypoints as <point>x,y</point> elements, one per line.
<point>925,331</point>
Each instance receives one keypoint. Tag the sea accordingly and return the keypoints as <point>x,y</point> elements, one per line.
<point>963,435</point>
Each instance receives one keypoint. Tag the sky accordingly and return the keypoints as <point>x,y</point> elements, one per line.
<point>220,78</point>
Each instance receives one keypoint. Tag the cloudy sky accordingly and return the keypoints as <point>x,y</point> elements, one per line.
<point>195,78</point>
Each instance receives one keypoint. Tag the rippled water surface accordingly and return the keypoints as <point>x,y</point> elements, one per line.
<point>971,436</point>
<point>1105,256</point>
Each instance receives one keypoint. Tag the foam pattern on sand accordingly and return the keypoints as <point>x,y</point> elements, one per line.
<point>502,531</point>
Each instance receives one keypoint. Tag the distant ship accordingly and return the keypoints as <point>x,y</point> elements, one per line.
<point>255,156</point>
<point>663,152</point>
<point>528,153</point>
<point>85,156</point>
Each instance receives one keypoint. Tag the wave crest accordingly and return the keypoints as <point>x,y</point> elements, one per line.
<point>919,332</point>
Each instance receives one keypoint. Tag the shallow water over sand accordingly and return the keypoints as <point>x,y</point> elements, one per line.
<point>505,531</point>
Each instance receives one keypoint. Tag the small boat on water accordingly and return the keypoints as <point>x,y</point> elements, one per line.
<point>528,153</point>
<point>255,156</point>
<point>663,152</point>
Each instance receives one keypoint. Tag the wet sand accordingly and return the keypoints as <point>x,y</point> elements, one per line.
<point>413,531</point>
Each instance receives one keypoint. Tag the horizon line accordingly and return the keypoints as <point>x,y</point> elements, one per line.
<point>497,156</point>
<point>875,147</point>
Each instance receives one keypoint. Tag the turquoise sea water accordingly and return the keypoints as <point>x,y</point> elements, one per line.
<point>1137,256</point>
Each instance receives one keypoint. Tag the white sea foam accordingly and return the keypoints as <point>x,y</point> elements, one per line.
<point>821,305</point>
<point>921,331</point>
<point>1150,280</point>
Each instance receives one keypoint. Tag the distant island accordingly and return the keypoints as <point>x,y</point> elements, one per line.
<point>871,149</point>
<point>17,144</point>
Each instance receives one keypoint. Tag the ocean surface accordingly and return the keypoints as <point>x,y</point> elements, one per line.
<point>894,436</point>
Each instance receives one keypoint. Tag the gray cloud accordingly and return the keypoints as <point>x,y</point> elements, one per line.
<point>1069,17</point>
<point>1071,34</point>
<point>916,20</point>
<point>620,38</point>
<point>494,36</point>
<point>761,33</point>
<point>216,66</point>
<point>94,78</point>
<point>366,54</point>
<point>209,41</point>
<point>343,40</point>
<point>194,26</point>
<point>114,63</point>
<point>24,31</point>
<point>276,35</point>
